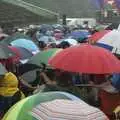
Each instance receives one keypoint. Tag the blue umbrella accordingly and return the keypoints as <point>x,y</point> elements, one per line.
<point>28,44</point>
<point>110,48</point>
<point>79,35</point>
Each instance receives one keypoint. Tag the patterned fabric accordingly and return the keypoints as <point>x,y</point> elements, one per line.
<point>67,110</point>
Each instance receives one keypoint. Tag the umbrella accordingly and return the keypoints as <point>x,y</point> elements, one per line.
<point>2,70</point>
<point>43,57</point>
<point>47,39</point>
<point>100,27</point>
<point>86,59</point>
<point>98,35</point>
<point>29,75</point>
<point>9,39</point>
<point>22,109</point>
<point>67,109</point>
<point>112,26</point>
<point>2,36</point>
<point>79,35</point>
<point>6,52</point>
<point>71,41</point>
<point>23,68</point>
<point>110,48</point>
<point>21,52</point>
<point>28,44</point>
<point>112,39</point>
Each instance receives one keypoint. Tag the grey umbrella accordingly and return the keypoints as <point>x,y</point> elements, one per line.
<point>2,70</point>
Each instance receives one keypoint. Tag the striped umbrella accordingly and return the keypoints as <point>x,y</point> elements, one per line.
<point>21,111</point>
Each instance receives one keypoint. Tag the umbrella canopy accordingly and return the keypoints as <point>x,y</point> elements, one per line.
<point>86,59</point>
<point>112,26</point>
<point>9,39</point>
<point>21,52</point>
<point>98,35</point>
<point>29,75</point>
<point>47,39</point>
<point>43,56</point>
<point>67,109</point>
<point>71,41</point>
<point>3,36</point>
<point>6,52</point>
<point>2,70</point>
<point>100,27</point>
<point>22,109</point>
<point>110,48</point>
<point>112,39</point>
<point>28,44</point>
<point>79,35</point>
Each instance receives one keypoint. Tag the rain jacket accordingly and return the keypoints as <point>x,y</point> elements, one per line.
<point>8,85</point>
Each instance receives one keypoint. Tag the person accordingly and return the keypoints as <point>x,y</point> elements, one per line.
<point>116,81</point>
<point>108,96</point>
<point>42,45</point>
<point>116,113</point>
<point>65,83</point>
<point>9,92</point>
<point>55,80</point>
<point>25,87</point>
<point>48,80</point>
<point>64,45</point>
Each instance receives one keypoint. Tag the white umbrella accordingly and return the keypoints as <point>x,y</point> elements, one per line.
<point>71,41</point>
<point>112,39</point>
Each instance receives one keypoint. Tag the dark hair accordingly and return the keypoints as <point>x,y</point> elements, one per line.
<point>42,44</point>
<point>51,74</point>
<point>65,79</point>
<point>64,44</point>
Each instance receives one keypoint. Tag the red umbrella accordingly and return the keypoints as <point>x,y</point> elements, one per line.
<point>98,35</point>
<point>86,59</point>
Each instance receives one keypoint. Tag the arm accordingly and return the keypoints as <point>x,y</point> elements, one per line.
<point>27,84</point>
<point>46,78</point>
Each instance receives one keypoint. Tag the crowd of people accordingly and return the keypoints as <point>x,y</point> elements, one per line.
<point>97,90</point>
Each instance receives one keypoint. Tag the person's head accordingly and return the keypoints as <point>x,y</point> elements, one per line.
<point>64,45</point>
<point>52,45</point>
<point>42,44</point>
<point>51,74</point>
<point>65,79</point>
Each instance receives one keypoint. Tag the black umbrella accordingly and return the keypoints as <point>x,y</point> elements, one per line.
<point>112,26</point>
<point>24,68</point>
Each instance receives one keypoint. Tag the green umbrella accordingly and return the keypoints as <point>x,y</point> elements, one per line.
<point>21,111</point>
<point>6,52</point>
<point>99,27</point>
<point>2,70</point>
<point>43,56</point>
<point>16,36</point>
